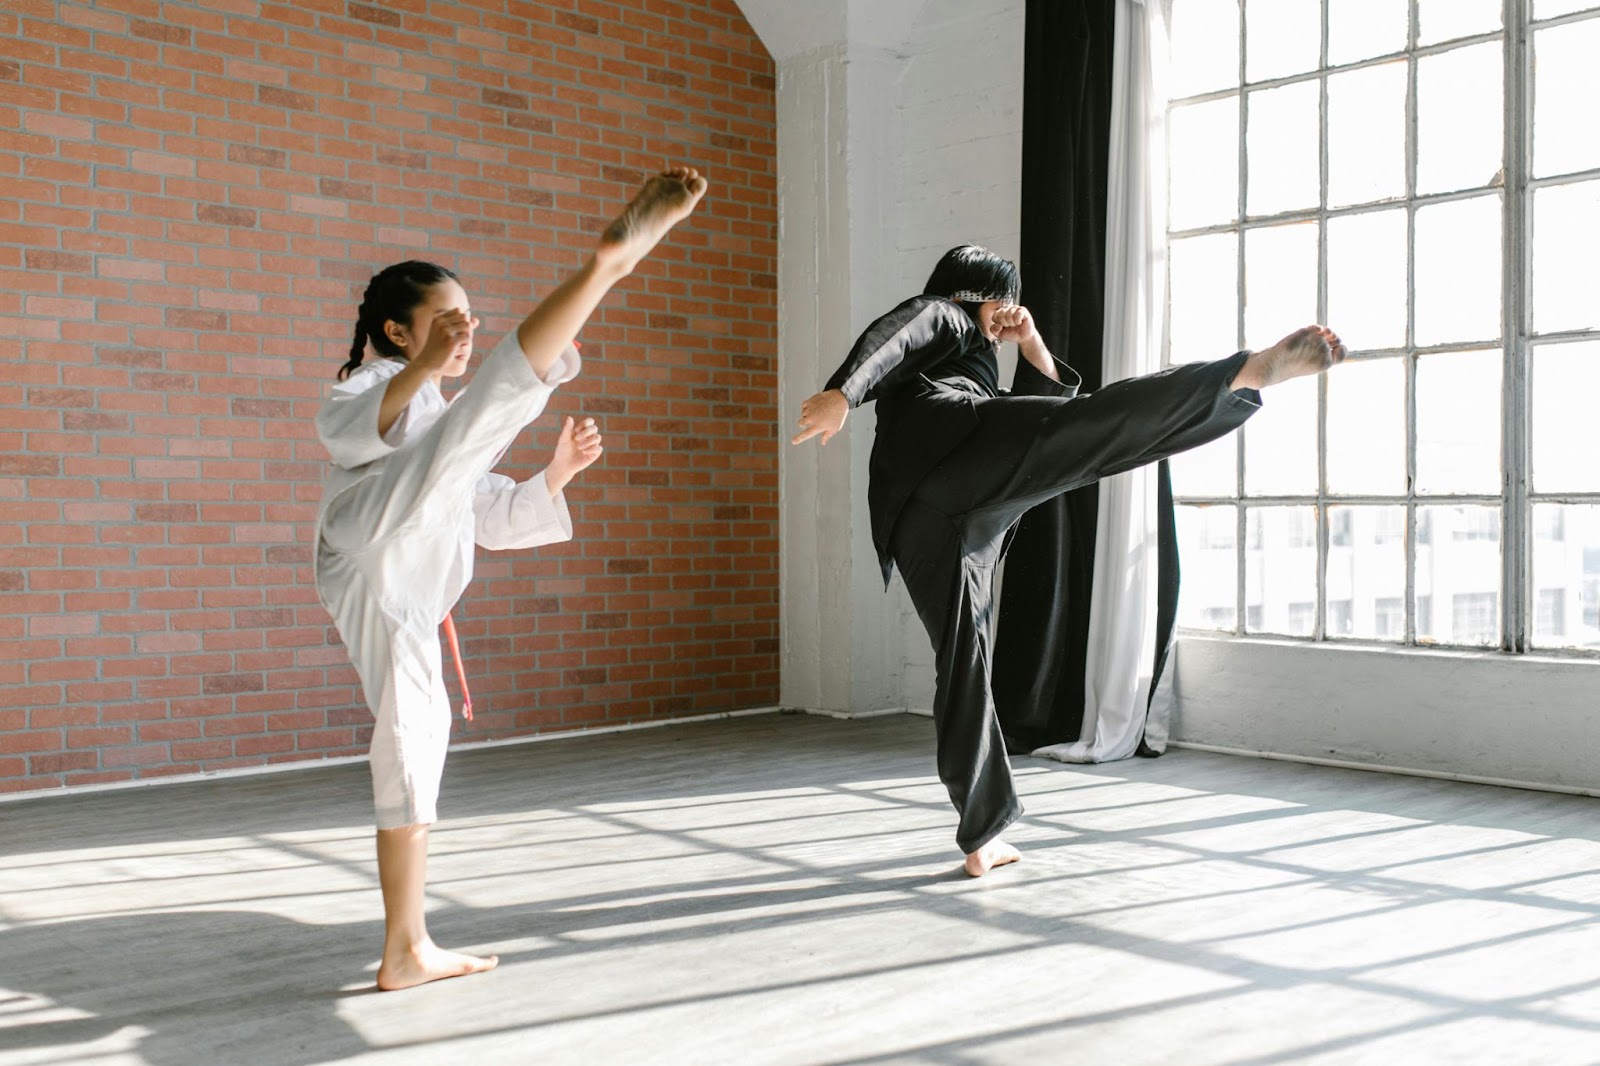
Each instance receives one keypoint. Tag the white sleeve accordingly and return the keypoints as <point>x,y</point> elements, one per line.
<point>509,515</point>
<point>348,420</point>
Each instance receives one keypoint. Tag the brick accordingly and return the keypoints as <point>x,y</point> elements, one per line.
<point>62,762</point>
<point>58,262</point>
<point>188,318</point>
<point>159,31</point>
<point>220,683</point>
<point>580,23</point>
<point>254,156</point>
<point>30,465</point>
<point>376,15</point>
<point>225,216</point>
<point>276,97</point>
<point>499,98</point>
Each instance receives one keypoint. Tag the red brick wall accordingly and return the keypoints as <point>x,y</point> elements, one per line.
<point>194,196</point>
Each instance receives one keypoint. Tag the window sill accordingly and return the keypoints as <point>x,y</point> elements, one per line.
<point>1586,659</point>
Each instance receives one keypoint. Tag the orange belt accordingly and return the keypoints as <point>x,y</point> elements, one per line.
<point>461,673</point>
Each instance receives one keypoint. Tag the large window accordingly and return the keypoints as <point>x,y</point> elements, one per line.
<point>1424,177</point>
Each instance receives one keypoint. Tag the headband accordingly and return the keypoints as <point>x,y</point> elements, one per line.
<point>972,296</point>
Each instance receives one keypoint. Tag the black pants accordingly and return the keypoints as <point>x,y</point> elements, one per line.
<point>947,541</point>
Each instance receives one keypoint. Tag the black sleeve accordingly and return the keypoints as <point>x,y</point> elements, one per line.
<point>1027,381</point>
<point>911,339</point>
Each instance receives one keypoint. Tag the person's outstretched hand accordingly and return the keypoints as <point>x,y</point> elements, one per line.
<point>823,413</point>
<point>576,449</point>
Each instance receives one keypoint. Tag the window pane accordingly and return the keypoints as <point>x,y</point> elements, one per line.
<point>1280,442</point>
<point>1205,47</point>
<point>1209,470</point>
<point>1566,82</point>
<point>1367,279</point>
<point>1204,297</point>
<point>1203,171</point>
<point>1208,547</point>
<point>1458,422</point>
<point>1566,378</point>
<point>1281,570</point>
<point>1544,9</point>
<point>1458,271</point>
<point>1367,135</point>
<point>1281,149</point>
<point>1566,576</point>
<point>1282,37</point>
<point>1459,105</point>
<point>1361,29</point>
<point>1367,428</point>
<point>1566,232</point>
<point>1280,281</point>
<point>1445,20</point>
<point>1458,572</point>
<point>1366,573</point>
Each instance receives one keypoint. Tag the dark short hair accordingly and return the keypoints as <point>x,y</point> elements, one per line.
<point>392,294</point>
<point>971,271</point>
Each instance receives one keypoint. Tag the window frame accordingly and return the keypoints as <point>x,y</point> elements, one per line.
<point>1518,341</point>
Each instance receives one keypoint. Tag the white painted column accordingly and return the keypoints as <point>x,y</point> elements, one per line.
<point>836,129</point>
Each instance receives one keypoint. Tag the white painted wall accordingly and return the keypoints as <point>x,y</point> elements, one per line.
<point>1474,714</point>
<point>899,135</point>
<point>961,132</point>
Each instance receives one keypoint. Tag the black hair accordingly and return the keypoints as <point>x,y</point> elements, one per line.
<point>392,294</point>
<point>973,271</point>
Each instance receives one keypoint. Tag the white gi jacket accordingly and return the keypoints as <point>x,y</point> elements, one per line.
<point>394,542</point>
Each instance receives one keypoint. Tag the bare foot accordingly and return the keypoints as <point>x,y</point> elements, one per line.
<point>1310,350</point>
<point>429,962</point>
<point>665,200</point>
<point>995,853</point>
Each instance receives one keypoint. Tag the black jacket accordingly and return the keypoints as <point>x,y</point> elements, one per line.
<point>926,363</point>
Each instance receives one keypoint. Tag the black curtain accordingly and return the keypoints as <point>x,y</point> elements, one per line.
<point>1044,608</point>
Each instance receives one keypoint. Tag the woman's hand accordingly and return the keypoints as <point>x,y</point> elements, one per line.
<point>823,413</point>
<point>576,449</point>
<point>449,333</point>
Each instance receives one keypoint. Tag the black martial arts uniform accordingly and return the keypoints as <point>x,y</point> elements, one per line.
<point>956,463</point>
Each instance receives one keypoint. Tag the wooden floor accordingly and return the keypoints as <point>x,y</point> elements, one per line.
<point>784,889</point>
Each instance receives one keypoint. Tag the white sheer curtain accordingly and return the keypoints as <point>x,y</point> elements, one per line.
<point>1122,611</point>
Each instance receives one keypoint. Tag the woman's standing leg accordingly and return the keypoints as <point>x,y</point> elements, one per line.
<point>952,586</point>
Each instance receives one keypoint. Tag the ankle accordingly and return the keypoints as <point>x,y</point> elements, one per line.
<point>609,264</point>
<point>1251,375</point>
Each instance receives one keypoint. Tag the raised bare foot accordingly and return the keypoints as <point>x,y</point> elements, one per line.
<point>995,853</point>
<point>1309,350</point>
<point>429,962</point>
<point>666,199</point>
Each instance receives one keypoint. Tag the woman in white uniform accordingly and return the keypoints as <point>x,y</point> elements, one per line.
<point>410,493</point>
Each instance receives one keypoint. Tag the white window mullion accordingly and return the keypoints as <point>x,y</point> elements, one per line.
<point>1241,532</point>
<point>1411,330</point>
<point>1516,546</point>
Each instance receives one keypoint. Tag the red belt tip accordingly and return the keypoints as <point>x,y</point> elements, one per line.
<point>461,672</point>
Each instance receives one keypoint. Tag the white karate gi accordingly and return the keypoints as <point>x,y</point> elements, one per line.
<point>399,517</point>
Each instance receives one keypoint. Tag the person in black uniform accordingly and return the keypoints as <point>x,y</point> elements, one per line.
<point>957,462</point>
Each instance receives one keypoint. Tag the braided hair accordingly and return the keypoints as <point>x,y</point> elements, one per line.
<point>392,294</point>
